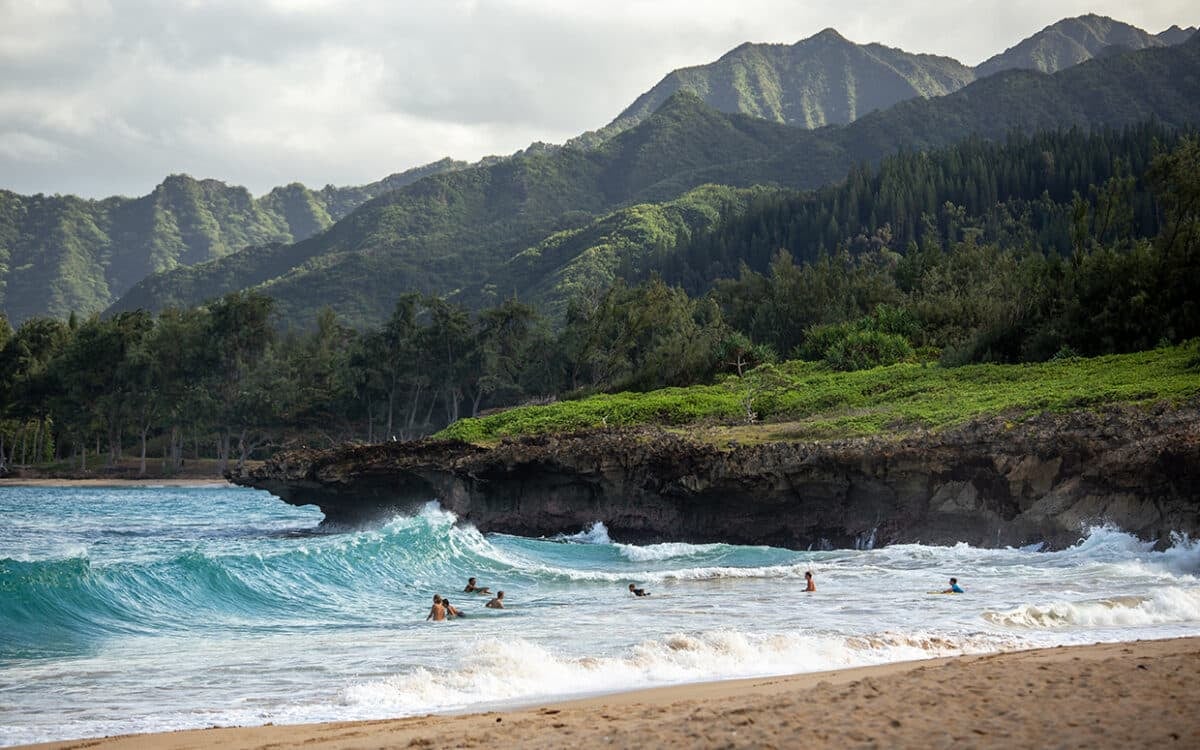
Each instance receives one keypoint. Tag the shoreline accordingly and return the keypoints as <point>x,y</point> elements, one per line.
<point>1130,693</point>
<point>114,482</point>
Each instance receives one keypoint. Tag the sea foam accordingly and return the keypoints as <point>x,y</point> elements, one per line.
<point>1165,605</point>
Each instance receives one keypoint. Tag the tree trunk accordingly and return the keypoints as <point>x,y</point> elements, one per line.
<point>37,443</point>
<point>83,455</point>
<point>432,403</point>
<point>142,465</point>
<point>391,401</point>
<point>224,439</point>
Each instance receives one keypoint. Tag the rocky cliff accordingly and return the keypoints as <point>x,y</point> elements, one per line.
<point>994,482</point>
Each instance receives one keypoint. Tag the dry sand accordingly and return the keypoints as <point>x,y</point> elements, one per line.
<point>1141,694</point>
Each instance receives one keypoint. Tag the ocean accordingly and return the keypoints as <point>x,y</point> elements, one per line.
<point>160,608</point>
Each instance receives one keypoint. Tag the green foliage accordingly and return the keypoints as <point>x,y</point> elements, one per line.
<point>862,350</point>
<point>819,402</point>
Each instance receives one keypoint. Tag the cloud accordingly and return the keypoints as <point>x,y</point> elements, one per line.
<point>100,98</point>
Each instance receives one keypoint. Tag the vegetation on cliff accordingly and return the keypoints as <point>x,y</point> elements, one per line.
<point>809,400</point>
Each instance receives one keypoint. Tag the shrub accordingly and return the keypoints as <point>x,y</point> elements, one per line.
<point>862,350</point>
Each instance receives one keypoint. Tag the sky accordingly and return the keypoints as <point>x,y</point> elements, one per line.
<point>107,98</point>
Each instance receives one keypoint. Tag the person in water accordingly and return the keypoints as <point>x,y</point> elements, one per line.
<point>498,602</point>
<point>437,613</point>
<point>812,585</point>
<point>638,592</point>
<point>473,589</point>
<point>954,587</point>
<point>451,610</point>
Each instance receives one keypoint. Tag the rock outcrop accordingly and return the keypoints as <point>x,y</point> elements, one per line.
<point>992,482</point>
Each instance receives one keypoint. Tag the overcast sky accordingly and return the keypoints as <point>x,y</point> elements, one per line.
<point>101,98</point>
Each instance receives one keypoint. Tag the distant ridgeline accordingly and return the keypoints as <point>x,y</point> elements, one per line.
<point>538,224</point>
<point>525,224</point>
<point>828,80</point>
<point>61,254</point>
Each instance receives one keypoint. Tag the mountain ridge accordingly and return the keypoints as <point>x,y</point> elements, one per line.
<point>52,246</point>
<point>799,85</point>
<point>455,232</point>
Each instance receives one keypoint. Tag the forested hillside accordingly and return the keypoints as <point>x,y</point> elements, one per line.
<point>221,379</point>
<point>62,254</point>
<point>458,233</point>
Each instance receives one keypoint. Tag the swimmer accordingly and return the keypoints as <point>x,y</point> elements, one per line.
<point>451,610</point>
<point>437,613</point>
<point>638,592</point>
<point>954,587</point>
<point>498,602</point>
<point>473,589</point>
<point>812,585</point>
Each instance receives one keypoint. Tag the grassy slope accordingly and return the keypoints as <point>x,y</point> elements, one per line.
<point>815,402</point>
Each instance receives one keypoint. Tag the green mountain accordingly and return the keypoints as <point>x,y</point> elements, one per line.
<point>1175,35</point>
<point>827,79</point>
<point>818,81</point>
<point>1074,40</point>
<point>63,254</point>
<point>486,232</point>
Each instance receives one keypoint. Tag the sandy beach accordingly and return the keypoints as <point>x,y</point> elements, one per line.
<point>100,482</point>
<point>1136,694</point>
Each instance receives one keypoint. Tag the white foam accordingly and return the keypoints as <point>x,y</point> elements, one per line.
<point>1165,605</point>
<point>665,551</point>
<point>504,671</point>
<point>597,533</point>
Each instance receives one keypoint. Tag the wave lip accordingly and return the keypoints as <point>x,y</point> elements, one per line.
<point>1170,604</point>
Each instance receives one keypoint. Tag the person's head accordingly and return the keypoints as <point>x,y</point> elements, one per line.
<point>499,594</point>
<point>632,587</point>
<point>437,598</point>
<point>446,602</point>
<point>953,581</point>
<point>471,581</point>
<point>808,574</point>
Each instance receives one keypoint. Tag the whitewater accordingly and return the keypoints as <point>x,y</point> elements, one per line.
<point>160,608</point>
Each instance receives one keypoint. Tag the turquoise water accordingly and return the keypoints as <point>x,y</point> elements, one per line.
<point>147,609</point>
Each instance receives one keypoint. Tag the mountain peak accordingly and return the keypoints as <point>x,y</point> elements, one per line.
<point>827,34</point>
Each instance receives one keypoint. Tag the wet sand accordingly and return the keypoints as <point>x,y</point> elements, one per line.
<point>1139,694</point>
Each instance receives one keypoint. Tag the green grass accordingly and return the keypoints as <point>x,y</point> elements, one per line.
<point>813,402</point>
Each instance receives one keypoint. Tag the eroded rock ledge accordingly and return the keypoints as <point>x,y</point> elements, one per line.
<point>993,482</point>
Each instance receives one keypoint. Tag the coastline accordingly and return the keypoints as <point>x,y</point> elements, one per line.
<point>1134,693</point>
<point>115,482</point>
